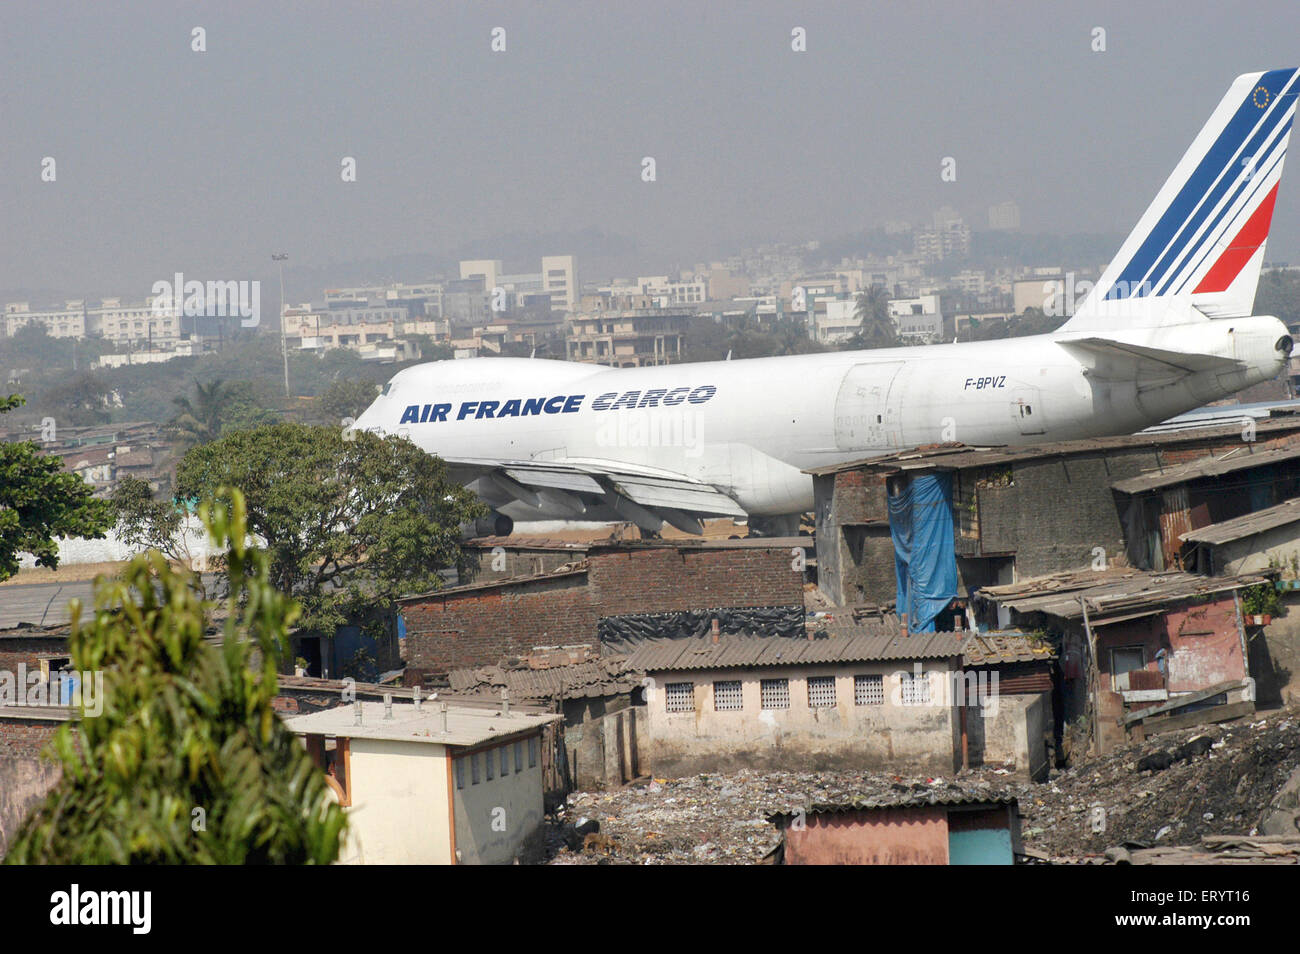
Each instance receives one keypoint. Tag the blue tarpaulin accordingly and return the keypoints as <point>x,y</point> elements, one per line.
<point>925,560</point>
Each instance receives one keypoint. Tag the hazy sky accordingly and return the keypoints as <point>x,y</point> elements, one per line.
<point>169,159</point>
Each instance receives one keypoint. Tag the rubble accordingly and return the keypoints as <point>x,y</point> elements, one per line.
<point>1208,781</point>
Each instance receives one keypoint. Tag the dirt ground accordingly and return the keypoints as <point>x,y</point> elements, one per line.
<point>67,573</point>
<point>1221,785</point>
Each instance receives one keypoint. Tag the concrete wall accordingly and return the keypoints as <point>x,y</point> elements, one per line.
<point>24,781</point>
<point>1276,547</point>
<point>480,627</point>
<point>877,737</point>
<point>400,813</point>
<point>496,817</point>
<point>1012,734</point>
<point>604,750</point>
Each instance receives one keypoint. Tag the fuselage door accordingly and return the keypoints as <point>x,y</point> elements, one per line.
<point>1027,411</point>
<point>865,417</point>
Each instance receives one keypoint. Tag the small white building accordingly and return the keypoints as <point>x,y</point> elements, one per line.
<point>431,783</point>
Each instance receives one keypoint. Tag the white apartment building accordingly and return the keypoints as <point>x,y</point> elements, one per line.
<point>67,322</point>
<point>111,320</point>
<point>557,280</point>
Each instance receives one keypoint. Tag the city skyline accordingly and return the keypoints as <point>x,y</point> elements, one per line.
<point>208,160</point>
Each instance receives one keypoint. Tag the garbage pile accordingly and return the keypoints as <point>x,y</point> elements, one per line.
<point>1170,790</point>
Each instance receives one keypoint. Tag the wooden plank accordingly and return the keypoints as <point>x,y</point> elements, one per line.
<point>1234,710</point>
<point>1181,701</point>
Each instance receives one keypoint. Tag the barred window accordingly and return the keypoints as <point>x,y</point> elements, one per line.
<point>460,772</point>
<point>505,760</point>
<point>821,691</point>
<point>487,766</point>
<point>680,696</point>
<point>916,689</point>
<point>727,695</point>
<point>532,751</point>
<point>519,756</point>
<point>775,693</point>
<point>869,690</point>
<point>473,769</point>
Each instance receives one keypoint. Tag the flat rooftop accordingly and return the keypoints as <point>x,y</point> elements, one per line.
<point>466,726</point>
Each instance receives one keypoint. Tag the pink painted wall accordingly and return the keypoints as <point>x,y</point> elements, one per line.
<point>911,836</point>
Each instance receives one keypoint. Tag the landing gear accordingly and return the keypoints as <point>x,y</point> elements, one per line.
<point>782,525</point>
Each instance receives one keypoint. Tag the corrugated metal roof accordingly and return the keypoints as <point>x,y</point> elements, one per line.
<point>907,797</point>
<point>732,652</point>
<point>1243,458</point>
<point>961,456</point>
<point>1112,594</point>
<point>1247,525</point>
<point>978,649</point>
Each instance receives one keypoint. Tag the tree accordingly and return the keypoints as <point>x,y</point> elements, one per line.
<point>346,522</point>
<point>345,398</point>
<point>186,762</point>
<point>876,327</point>
<point>218,407</point>
<point>199,421</point>
<point>84,399</point>
<point>1278,295</point>
<point>145,523</point>
<point>39,501</point>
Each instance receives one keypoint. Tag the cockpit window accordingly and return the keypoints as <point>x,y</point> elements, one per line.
<point>387,387</point>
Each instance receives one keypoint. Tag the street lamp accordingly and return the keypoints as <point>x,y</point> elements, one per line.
<point>279,258</point>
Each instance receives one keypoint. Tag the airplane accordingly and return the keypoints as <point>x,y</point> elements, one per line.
<point>1166,329</point>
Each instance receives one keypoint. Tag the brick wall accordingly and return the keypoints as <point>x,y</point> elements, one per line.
<point>25,738</point>
<point>479,627</point>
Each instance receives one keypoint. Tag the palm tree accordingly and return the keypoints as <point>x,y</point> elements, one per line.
<point>199,421</point>
<point>876,327</point>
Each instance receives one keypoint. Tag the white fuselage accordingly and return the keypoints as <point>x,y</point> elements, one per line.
<point>751,427</point>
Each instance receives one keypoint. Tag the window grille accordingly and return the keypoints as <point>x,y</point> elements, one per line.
<point>821,691</point>
<point>680,696</point>
<point>727,695</point>
<point>869,690</point>
<point>775,693</point>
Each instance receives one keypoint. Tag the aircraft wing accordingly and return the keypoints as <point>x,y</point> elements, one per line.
<point>1157,359</point>
<point>597,489</point>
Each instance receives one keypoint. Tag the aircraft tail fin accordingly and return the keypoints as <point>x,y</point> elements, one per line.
<point>1201,241</point>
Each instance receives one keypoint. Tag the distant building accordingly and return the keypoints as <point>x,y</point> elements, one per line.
<point>948,237</point>
<point>1004,217</point>
<point>431,783</point>
<point>626,332</point>
<point>835,321</point>
<point>917,319</point>
<point>557,281</point>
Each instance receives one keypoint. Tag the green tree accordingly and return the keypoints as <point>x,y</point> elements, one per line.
<point>876,327</point>
<point>84,399</point>
<point>346,523</point>
<point>145,523</point>
<point>345,398</point>
<point>200,421</point>
<point>1279,295</point>
<point>186,761</point>
<point>39,501</point>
